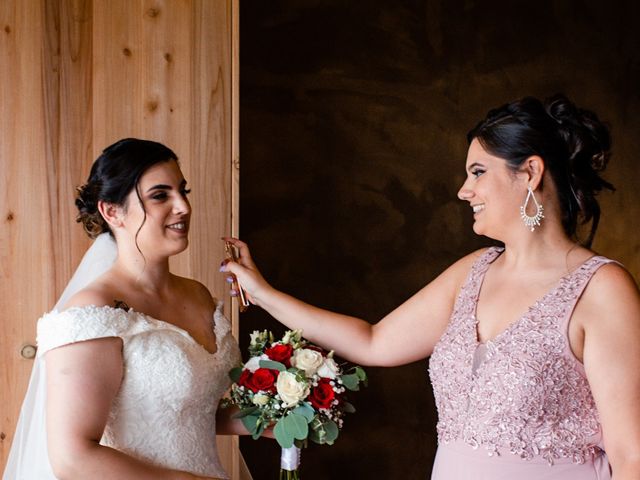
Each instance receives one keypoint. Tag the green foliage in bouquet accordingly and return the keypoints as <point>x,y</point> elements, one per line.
<point>294,386</point>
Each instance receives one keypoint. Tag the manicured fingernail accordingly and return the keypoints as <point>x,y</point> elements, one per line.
<point>229,279</point>
<point>223,268</point>
<point>233,293</point>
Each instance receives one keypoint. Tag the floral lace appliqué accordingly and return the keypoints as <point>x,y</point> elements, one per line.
<point>165,411</point>
<point>528,397</point>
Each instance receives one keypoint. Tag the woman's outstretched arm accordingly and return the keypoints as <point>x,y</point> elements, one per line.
<point>407,334</point>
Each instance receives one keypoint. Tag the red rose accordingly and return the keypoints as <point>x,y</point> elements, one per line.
<point>263,379</point>
<point>245,378</point>
<point>322,395</point>
<point>280,353</point>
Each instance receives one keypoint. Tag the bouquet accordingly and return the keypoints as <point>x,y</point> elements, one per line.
<point>296,387</point>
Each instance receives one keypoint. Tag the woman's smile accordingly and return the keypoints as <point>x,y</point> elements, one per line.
<point>477,208</point>
<point>181,227</point>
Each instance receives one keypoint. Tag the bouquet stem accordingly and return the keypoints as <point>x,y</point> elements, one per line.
<point>289,463</point>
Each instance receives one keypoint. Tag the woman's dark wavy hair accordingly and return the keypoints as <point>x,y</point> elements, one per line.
<point>574,144</point>
<point>114,174</point>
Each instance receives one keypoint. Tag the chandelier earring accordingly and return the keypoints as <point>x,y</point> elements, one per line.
<point>534,221</point>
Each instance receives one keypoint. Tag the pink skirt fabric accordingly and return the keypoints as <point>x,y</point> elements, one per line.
<point>458,461</point>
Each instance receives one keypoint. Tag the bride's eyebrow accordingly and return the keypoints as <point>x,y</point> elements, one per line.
<point>159,187</point>
<point>162,186</point>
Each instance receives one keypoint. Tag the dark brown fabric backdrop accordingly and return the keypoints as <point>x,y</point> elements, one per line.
<point>353,121</point>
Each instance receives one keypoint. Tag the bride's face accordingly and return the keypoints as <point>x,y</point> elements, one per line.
<point>160,224</point>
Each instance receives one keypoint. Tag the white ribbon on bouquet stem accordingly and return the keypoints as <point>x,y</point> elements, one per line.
<point>290,458</point>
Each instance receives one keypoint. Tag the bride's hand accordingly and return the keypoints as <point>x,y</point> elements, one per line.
<point>245,270</point>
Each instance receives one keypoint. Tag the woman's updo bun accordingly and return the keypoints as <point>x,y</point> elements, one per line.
<point>114,174</point>
<point>573,142</point>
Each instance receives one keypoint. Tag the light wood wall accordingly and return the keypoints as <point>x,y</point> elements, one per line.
<point>75,76</point>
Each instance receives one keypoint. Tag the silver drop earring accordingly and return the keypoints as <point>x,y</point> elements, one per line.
<point>531,222</point>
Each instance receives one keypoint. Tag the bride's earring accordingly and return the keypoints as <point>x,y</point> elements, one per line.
<point>531,222</point>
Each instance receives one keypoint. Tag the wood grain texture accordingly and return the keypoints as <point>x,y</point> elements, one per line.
<point>240,469</point>
<point>75,76</point>
<point>117,81</point>
<point>211,140</point>
<point>27,268</point>
<point>66,91</point>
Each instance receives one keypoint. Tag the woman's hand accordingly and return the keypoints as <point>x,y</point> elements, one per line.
<point>246,272</point>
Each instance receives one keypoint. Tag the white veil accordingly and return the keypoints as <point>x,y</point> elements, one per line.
<point>28,459</point>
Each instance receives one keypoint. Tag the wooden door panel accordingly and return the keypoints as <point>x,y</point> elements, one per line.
<point>75,76</point>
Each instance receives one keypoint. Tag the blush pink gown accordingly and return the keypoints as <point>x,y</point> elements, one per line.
<point>519,406</point>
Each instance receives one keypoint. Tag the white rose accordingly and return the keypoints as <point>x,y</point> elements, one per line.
<point>254,363</point>
<point>307,360</point>
<point>329,368</point>
<point>260,399</point>
<point>290,390</point>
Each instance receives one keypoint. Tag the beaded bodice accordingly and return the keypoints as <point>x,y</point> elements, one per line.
<point>529,395</point>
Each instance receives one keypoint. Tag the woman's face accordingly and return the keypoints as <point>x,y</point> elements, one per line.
<point>163,191</point>
<point>494,192</point>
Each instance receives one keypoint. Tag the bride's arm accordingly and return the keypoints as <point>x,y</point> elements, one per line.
<point>82,380</point>
<point>226,424</point>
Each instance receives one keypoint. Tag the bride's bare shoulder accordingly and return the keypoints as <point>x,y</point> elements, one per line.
<point>99,293</point>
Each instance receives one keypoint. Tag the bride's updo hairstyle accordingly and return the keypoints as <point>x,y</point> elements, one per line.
<point>574,144</point>
<point>114,174</point>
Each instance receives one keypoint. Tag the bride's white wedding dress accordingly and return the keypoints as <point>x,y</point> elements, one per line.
<point>165,410</point>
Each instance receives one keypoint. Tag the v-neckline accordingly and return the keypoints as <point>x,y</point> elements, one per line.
<point>186,333</point>
<point>496,338</point>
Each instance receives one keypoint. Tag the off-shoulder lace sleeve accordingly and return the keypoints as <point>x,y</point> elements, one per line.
<point>83,323</point>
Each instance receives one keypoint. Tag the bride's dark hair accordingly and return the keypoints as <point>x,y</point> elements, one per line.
<point>574,144</point>
<point>114,174</point>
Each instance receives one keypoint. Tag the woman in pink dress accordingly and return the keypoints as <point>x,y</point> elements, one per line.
<point>535,346</point>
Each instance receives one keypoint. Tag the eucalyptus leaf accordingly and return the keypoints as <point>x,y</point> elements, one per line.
<point>362,375</point>
<point>296,425</point>
<point>348,408</point>
<point>270,364</point>
<point>250,423</point>
<point>351,381</point>
<point>260,427</point>
<point>235,373</point>
<point>284,438</point>
<point>316,435</point>
<point>332,430</point>
<point>305,410</point>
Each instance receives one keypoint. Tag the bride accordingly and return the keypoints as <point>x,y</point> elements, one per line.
<point>133,360</point>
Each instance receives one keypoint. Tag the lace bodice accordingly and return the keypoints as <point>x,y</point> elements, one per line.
<point>165,410</point>
<point>527,394</point>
